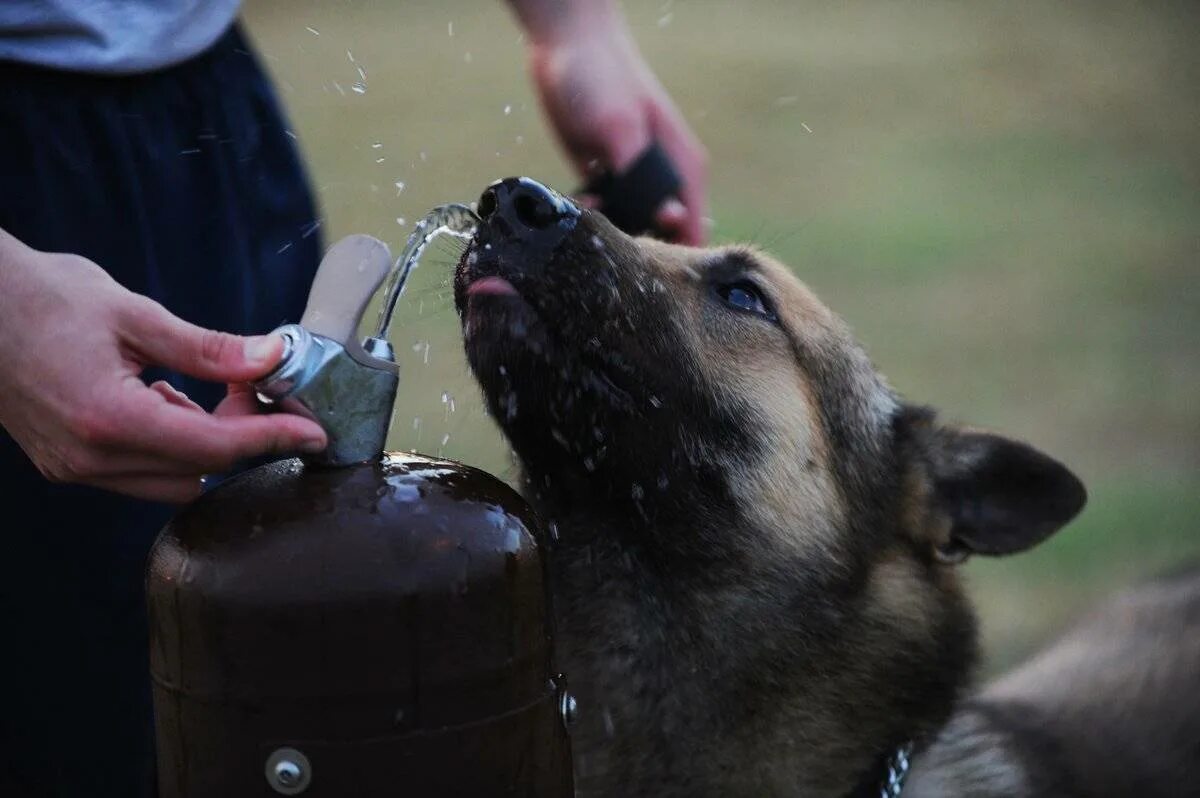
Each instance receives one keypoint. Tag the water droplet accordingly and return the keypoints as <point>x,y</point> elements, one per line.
<point>450,28</point>
<point>359,88</point>
<point>376,145</point>
<point>655,401</point>
<point>636,492</point>
<point>665,20</point>
<point>507,110</point>
<point>400,220</point>
<point>313,31</point>
<point>399,187</point>
<point>467,57</point>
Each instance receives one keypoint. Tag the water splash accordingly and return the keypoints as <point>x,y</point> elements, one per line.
<point>453,220</point>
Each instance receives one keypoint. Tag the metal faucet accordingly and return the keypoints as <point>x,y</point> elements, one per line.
<point>326,374</point>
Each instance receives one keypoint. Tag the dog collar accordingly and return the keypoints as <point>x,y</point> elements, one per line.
<point>886,779</point>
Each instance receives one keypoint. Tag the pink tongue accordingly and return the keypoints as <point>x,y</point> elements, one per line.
<point>497,286</point>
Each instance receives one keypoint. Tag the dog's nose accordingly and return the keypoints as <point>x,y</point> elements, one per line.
<point>524,210</point>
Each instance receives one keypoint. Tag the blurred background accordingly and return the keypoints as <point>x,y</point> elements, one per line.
<point>1002,198</point>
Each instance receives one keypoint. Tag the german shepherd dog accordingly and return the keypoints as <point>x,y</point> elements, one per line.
<point>756,542</point>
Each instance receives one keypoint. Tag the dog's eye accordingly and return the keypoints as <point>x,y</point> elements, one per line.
<point>744,295</point>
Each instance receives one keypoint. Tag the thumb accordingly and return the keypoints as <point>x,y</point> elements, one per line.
<point>156,337</point>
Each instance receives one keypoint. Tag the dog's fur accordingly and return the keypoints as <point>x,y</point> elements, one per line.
<point>755,543</point>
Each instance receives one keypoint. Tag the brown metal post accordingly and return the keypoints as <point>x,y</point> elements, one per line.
<point>376,630</point>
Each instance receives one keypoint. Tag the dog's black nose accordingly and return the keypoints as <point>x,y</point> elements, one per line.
<point>517,208</point>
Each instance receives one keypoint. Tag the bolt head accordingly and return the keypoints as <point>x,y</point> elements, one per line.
<point>568,708</point>
<point>288,771</point>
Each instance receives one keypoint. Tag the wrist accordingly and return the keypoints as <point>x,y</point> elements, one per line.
<point>559,23</point>
<point>13,253</point>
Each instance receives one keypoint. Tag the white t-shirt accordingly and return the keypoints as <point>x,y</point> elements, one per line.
<point>110,36</point>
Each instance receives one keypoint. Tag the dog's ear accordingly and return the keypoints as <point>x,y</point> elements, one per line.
<point>974,492</point>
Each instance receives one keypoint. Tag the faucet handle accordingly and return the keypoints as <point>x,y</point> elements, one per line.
<point>348,276</point>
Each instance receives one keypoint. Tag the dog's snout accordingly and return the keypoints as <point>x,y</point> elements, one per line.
<point>524,210</point>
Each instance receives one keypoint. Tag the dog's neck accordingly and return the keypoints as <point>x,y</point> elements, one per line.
<point>684,678</point>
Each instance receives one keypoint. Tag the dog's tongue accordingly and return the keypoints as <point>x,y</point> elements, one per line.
<point>495,286</point>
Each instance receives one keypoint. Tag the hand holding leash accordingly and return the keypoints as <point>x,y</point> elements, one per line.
<point>614,118</point>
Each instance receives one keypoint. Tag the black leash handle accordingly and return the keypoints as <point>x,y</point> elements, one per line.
<point>630,199</point>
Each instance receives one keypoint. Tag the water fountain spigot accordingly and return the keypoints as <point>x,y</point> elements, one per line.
<point>326,373</point>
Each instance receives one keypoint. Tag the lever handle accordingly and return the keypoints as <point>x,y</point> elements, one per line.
<point>348,276</point>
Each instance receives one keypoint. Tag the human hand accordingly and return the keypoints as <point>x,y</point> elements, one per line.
<point>607,107</point>
<point>72,344</point>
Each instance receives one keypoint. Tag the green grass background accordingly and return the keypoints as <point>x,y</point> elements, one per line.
<point>1002,198</point>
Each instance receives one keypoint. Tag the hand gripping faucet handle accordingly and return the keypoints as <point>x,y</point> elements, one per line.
<point>325,373</point>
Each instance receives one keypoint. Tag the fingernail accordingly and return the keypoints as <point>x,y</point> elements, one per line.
<point>673,208</point>
<point>261,349</point>
<point>312,446</point>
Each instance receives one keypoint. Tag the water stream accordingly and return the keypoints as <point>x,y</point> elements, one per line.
<point>453,220</point>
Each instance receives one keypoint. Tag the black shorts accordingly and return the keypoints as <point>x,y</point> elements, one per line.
<point>186,185</point>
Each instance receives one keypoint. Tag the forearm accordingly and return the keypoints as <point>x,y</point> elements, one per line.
<point>547,21</point>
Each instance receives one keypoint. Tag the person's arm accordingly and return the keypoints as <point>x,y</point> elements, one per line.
<point>605,103</point>
<point>72,344</point>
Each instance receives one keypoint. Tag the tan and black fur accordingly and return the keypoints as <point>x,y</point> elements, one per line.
<point>756,543</point>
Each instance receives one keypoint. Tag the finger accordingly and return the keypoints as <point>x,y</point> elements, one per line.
<point>105,465</point>
<point>623,137</point>
<point>156,336</point>
<point>238,403</point>
<point>589,201</point>
<point>152,487</point>
<point>175,396</point>
<point>212,443</point>
<point>671,218</point>
<point>694,231</point>
<point>691,161</point>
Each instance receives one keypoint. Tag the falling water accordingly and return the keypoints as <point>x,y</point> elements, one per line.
<point>454,220</point>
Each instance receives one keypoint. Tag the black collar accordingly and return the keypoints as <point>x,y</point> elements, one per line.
<point>886,777</point>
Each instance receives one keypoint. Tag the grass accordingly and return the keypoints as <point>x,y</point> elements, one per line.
<point>1002,198</point>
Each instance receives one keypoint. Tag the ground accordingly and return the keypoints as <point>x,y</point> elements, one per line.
<point>1002,198</point>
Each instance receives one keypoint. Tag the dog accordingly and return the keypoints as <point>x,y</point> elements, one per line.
<point>754,542</point>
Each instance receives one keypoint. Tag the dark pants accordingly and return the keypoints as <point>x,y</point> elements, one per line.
<point>185,185</point>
